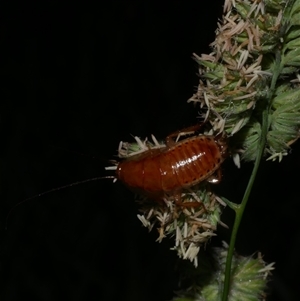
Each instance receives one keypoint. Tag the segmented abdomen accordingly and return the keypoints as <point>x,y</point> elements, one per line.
<point>170,169</point>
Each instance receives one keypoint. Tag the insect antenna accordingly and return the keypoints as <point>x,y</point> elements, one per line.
<point>53,190</point>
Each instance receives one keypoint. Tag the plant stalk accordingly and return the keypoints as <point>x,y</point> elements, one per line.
<point>239,211</point>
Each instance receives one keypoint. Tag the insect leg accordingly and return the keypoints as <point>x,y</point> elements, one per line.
<point>192,204</point>
<point>216,177</point>
<point>184,132</point>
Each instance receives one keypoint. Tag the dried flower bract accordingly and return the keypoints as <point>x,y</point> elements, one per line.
<point>236,78</point>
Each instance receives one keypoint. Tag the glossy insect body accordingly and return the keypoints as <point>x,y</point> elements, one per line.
<point>179,165</point>
<point>166,171</point>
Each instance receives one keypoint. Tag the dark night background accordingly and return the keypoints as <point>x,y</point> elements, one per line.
<point>77,79</point>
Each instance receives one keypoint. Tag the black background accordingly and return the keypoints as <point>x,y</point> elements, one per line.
<point>77,79</point>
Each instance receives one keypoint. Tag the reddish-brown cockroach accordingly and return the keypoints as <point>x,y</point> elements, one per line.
<point>166,171</point>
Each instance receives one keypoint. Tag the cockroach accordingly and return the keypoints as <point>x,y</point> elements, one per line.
<point>167,171</point>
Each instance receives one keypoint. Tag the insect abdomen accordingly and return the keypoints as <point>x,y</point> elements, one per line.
<point>195,160</point>
<point>170,169</point>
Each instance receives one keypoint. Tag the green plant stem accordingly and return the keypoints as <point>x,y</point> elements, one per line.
<point>239,210</point>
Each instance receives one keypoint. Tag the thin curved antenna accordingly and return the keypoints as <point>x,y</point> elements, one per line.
<point>52,190</point>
